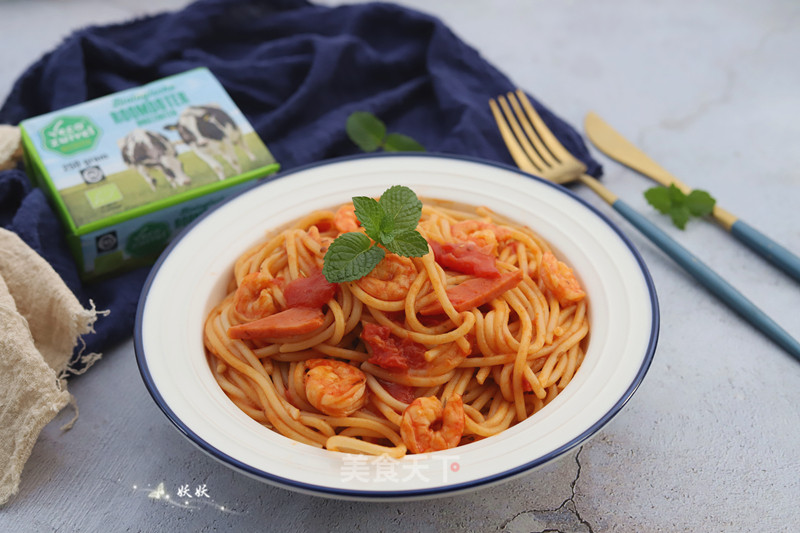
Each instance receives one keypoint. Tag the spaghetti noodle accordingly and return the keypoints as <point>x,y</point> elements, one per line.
<point>422,354</point>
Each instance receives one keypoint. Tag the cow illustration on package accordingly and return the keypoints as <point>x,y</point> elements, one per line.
<point>209,132</point>
<point>143,150</point>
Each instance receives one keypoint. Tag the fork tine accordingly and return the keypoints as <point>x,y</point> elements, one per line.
<point>522,139</point>
<point>542,152</point>
<point>553,144</point>
<point>517,153</point>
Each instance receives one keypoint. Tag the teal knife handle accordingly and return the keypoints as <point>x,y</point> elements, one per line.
<point>767,248</point>
<point>711,280</point>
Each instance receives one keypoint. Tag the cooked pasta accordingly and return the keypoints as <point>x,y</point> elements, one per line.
<point>423,354</point>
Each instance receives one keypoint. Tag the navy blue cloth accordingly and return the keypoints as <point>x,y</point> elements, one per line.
<point>296,70</point>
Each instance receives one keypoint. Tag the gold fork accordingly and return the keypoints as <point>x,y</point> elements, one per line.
<point>537,151</point>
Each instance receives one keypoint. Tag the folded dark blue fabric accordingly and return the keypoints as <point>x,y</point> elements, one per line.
<point>296,70</point>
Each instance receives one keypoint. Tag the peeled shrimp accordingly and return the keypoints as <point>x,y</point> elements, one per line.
<point>345,219</point>
<point>485,234</point>
<point>427,426</point>
<point>391,279</point>
<point>253,298</point>
<point>335,388</point>
<point>560,280</point>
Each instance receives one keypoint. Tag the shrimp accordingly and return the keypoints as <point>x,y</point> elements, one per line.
<point>391,279</point>
<point>335,388</point>
<point>485,234</point>
<point>560,280</point>
<point>345,219</point>
<point>427,426</point>
<point>253,298</point>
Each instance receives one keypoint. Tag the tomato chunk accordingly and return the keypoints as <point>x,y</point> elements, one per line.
<point>465,257</point>
<point>313,291</point>
<point>288,323</point>
<point>390,352</point>
<point>403,393</point>
<point>475,292</point>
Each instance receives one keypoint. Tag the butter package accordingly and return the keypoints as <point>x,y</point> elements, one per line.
<point>127,171</point>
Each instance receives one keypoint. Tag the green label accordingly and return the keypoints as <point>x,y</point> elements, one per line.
<point>150,239</point>
<point>67,135</point>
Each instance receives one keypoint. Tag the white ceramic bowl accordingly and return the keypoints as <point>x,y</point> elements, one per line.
<point>191,276</point>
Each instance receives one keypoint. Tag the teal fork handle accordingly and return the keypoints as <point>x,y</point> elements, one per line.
<point>767,248</point>
<point>711,280</point>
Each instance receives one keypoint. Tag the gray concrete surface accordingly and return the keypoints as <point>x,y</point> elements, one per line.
<point>708,443</point>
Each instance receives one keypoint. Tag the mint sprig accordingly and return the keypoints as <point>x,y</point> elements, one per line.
<point>679,206</point>
<point>368,132</point>
<point>389,223</point>
<point>351,256</point>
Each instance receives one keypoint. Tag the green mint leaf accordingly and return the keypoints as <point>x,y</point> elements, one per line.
<point>679,215</point>
<point>403,208</point>
<point>349,257</point>
<point>370,213</point>
<point>679,206</point>
<point>700,203</point>
<point>659,198</point>
<point>676,195</point>
<point>408,244</point>
<point>387,231</point>
<point>397,142</point>
<point>366,130</point>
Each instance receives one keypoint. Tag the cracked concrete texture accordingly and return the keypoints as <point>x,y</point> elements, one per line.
<point>565,518</point>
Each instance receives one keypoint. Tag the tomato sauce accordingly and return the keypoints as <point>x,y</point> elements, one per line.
<point>390,352</point>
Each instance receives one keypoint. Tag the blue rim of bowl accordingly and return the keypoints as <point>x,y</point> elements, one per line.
<point>395,494</point>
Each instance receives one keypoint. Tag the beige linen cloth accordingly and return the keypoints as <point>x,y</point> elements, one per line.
<point>41,322</point>
<point>10,146</point>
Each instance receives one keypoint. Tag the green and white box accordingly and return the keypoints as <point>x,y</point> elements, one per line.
<point>129,170</point>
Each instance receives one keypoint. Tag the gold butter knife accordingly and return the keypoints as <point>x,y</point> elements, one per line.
<point>617,147</point>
